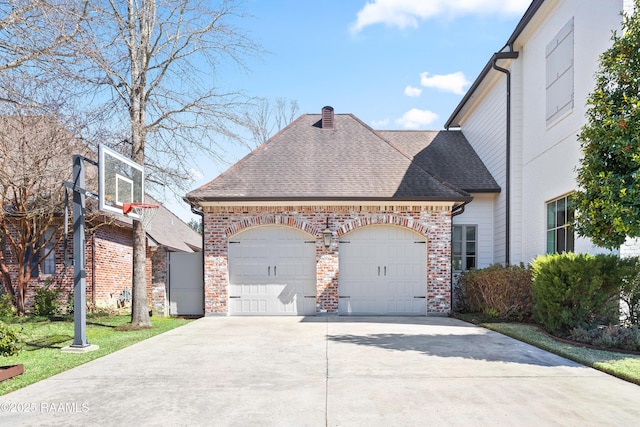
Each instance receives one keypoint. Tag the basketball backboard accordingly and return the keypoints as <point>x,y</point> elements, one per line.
<point>121,180</point>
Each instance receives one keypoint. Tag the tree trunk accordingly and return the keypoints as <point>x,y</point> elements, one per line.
<point>139,304</point>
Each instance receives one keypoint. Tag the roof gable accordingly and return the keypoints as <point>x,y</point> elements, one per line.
<point>347,162</point>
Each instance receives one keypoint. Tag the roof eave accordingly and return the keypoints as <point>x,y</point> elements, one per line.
<point>524,21</point>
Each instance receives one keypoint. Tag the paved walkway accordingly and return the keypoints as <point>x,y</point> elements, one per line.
<point>327,371</point>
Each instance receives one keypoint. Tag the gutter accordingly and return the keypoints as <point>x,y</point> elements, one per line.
<point>507,184</point>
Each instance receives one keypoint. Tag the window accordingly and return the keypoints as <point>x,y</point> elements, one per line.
<point>48,253</point>
<point>560,236</point>
<point>559,67</point>
<point>464,245</point>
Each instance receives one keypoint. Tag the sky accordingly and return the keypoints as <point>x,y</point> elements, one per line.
<point>395,64</point>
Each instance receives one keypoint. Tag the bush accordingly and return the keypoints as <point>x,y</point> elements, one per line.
<point>45,302</point>
<point>7,308</point>
<point>10,343</point>
<point>617,337</point>
<point>497,291</point>
<point>575,290</point>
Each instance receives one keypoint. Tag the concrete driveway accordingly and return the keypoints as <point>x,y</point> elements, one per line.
<point>327,371</point>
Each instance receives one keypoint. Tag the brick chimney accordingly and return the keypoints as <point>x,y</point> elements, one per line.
<point>327,117</point>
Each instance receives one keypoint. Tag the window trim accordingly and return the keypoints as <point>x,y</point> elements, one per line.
<point>463,247</point>
<point>567,226</point>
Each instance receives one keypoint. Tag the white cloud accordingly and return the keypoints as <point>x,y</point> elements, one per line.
<point>455,82</point>
<point>379,123</point>
<point>414,118</point>
<point>196,174</point>
<point>408,13</point>
<point>412,91</point>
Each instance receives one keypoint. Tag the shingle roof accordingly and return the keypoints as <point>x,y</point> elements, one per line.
<point>166,229</point>
<point>446,154</point>
<point>349,162</point>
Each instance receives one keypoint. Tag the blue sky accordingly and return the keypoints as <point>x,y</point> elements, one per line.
<point>395,64</point>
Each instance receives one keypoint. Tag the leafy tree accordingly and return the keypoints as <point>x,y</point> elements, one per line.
<point>608,200</point>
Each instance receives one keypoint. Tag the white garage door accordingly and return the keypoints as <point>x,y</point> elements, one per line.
<point>272,271</point>
<point>382,272</point>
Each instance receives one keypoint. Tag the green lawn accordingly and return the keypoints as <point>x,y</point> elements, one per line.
<point>44,338</point>
<point>621,365</point>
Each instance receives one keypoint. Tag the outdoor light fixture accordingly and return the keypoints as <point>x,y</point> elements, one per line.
<point>326,235</point>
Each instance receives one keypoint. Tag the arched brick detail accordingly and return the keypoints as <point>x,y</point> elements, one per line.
<point>255,221</point>
<point>386,219</point>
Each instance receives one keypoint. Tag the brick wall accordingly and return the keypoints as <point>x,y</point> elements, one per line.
<point>109,258</point>
<point>434,223</point>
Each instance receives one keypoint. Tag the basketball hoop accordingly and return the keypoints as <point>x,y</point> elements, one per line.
<point>144,211</point>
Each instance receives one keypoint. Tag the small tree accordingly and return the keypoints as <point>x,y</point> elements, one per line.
<point>608,200</point>
<point>34,159</point>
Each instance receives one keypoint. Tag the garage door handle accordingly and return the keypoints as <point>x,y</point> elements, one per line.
<point>385,270</point>
<point>342,296</point>
<point>275,272</point>
<point>233,296</point>
<point>420,297</point>
<point>378,270</point>
<point>309,296</point>
<point>269,271</point>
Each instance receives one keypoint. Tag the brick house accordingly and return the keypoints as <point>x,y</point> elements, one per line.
<point>109,261</point>
<point>331,216</point>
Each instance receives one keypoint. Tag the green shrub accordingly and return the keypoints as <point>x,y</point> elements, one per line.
<point>45,302</point>
<point>612,336</point>
<point>10,343</point>
<point>7,308</point>
<point>630,292</point>
<point>575,290</point>
<point>497,291</point>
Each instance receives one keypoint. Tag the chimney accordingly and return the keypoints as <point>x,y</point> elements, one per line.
<point>327,117</point>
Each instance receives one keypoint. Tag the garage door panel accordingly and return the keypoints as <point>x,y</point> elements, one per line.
<point>382,270</point>
<point>279,265</point>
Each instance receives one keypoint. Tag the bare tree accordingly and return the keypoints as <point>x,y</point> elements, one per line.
<point>264,118</point>
<point>155,63</point>
<point>35,35</point>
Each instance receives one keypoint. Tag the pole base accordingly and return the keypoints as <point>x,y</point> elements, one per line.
<point>80,349</point>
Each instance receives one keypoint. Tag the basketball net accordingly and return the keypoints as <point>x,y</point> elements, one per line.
<point>144,211</point>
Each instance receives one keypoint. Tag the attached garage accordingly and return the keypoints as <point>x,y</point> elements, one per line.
<point>382,272</point>
<point>272,271</point>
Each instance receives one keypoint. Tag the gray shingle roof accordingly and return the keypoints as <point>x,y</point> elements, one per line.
<point>349,162</point>
<point>446,154</point>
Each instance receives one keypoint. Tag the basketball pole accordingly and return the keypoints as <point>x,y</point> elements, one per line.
<point>80,344</point>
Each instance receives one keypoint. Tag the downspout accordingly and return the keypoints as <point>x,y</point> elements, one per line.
<point>497,56</point>
<point>200,213</point>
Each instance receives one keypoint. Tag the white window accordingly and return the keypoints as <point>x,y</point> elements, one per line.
<point>559,83</point>
<point>48,252</point>
<point>560,234</point>
<point>464,247</point>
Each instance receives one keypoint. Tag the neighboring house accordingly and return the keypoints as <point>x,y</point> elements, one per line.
<point>522,116</point>
<point>382,200</point>
<point>109,261</point>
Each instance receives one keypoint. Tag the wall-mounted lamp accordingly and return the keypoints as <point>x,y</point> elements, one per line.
<point>326,235</point>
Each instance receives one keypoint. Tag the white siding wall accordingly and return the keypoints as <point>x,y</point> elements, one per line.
<point>480,212</point>
<point>550,153</point>
<point>485,130</point>
<point>543,156</point>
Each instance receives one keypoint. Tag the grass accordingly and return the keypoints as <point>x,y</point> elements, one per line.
<point>622,365</point>
<point>44,338</point>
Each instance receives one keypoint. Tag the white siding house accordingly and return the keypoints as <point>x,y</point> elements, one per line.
<point>551,57</point>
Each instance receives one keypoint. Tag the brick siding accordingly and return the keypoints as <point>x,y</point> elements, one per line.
<point>434,223</point>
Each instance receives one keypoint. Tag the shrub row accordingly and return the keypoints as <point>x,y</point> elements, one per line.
<point>561,292</point>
